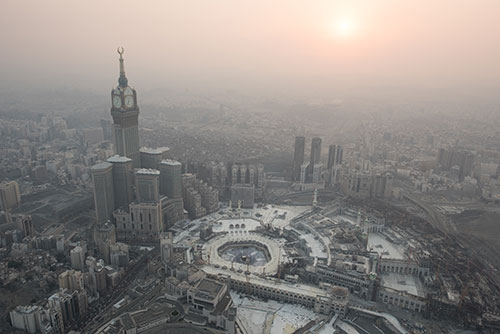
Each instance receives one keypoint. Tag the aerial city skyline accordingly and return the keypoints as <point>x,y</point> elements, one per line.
<point>266,168</point>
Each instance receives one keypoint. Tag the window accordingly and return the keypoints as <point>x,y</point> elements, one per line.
<point>140,216</point>
<point>142,227</point>
<point>132,216</point>
<point>133,226</point>
<point>124,226</point>
<point>150,227</point>
<point>149,216</point>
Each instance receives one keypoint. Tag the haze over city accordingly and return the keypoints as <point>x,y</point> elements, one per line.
<point>306,48</point>
<point>260,167</point>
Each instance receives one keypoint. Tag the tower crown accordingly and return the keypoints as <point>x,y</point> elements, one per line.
<point>122,80</point>
<point>123,97</point>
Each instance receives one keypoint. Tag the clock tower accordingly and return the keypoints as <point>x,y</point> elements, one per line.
<point>125,113</point>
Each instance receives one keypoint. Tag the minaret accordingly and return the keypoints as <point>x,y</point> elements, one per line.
<point>125,113</point>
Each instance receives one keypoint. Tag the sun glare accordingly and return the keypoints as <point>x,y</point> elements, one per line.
<point>344,28</point>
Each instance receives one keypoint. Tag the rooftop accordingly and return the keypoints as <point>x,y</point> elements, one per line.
<point>117,158</point>
<point>302,289</point>
<point>399,282</point>
<point>209,287</point>
<point>148,171</point>
<point>385,248</point>
<point>170,162</point>
<point>101,166</point>
<point>158,150</point>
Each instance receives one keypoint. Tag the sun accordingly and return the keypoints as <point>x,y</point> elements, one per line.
<point>344,28</point>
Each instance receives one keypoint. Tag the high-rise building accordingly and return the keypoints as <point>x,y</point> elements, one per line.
<point>298,157</point>
<point>315,157</point>
<point>449,158</point>
<point>104,237</point>
<point>315,151</point>
<point>125,113</point>
<point>104,199</point>
<point>166,247</point>
<point>317,173</point>
<point>119,254</point>
<point>10,197</point>
<point>209,196</point>
<point>151,157</point>
<point>215,174</point>
<point>77,256</point>
<point>171,178</point>
<point>382,185</point>
<point>303,172</point>
<point>25,318</point>
<point>71,280</point>
<point>147,185</point>
<point>334,155</point>
<point>123,180</point>
<point>71,305</point>
<point>357,184</point>
<point>172,210</point>
<point>143,221</point>
<point>191,197</point>
<point>249,175</point>
<point>107,129</point>
<point>26,224</point>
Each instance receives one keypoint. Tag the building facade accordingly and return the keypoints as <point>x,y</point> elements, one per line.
<point>298,157</point>
<point>171,178</point>
<point>123,180</point>
<point>104,198</point>
<point>147,185</point>
<point>151,157</point>
<point>143,221</point>
<point>125,113</point>
<point>10,197</point>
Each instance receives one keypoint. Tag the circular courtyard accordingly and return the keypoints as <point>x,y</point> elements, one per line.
<point>251,253</point>
<point>244,252</point>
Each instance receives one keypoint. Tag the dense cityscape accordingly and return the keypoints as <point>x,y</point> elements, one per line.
<point>183,212</point>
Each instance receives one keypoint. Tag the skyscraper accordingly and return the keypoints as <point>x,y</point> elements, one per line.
<point>107,129</point>
<point>334,155</point>
<point>104,199</point>
<point>170,178</point>
<point>123,180</point>
<point>151,157</point>
<point>298,157</point>
<point>125,113</point>
<point>315,151</point>
<point>10,197</point>
<point>464,160</point>
<point>315,157</point>
<point>147,185</point>
<point>77,256</point>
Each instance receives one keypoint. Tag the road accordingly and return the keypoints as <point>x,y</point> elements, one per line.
<point>104,306</point>
<point>435,218</point>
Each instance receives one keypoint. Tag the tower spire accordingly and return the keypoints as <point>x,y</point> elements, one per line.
<point>122,81</point>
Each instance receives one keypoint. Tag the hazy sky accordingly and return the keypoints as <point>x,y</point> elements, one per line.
<point>259,45</point>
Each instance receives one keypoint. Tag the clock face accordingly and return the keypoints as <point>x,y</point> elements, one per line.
<point>117,101</point>
<point>129,101</point>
